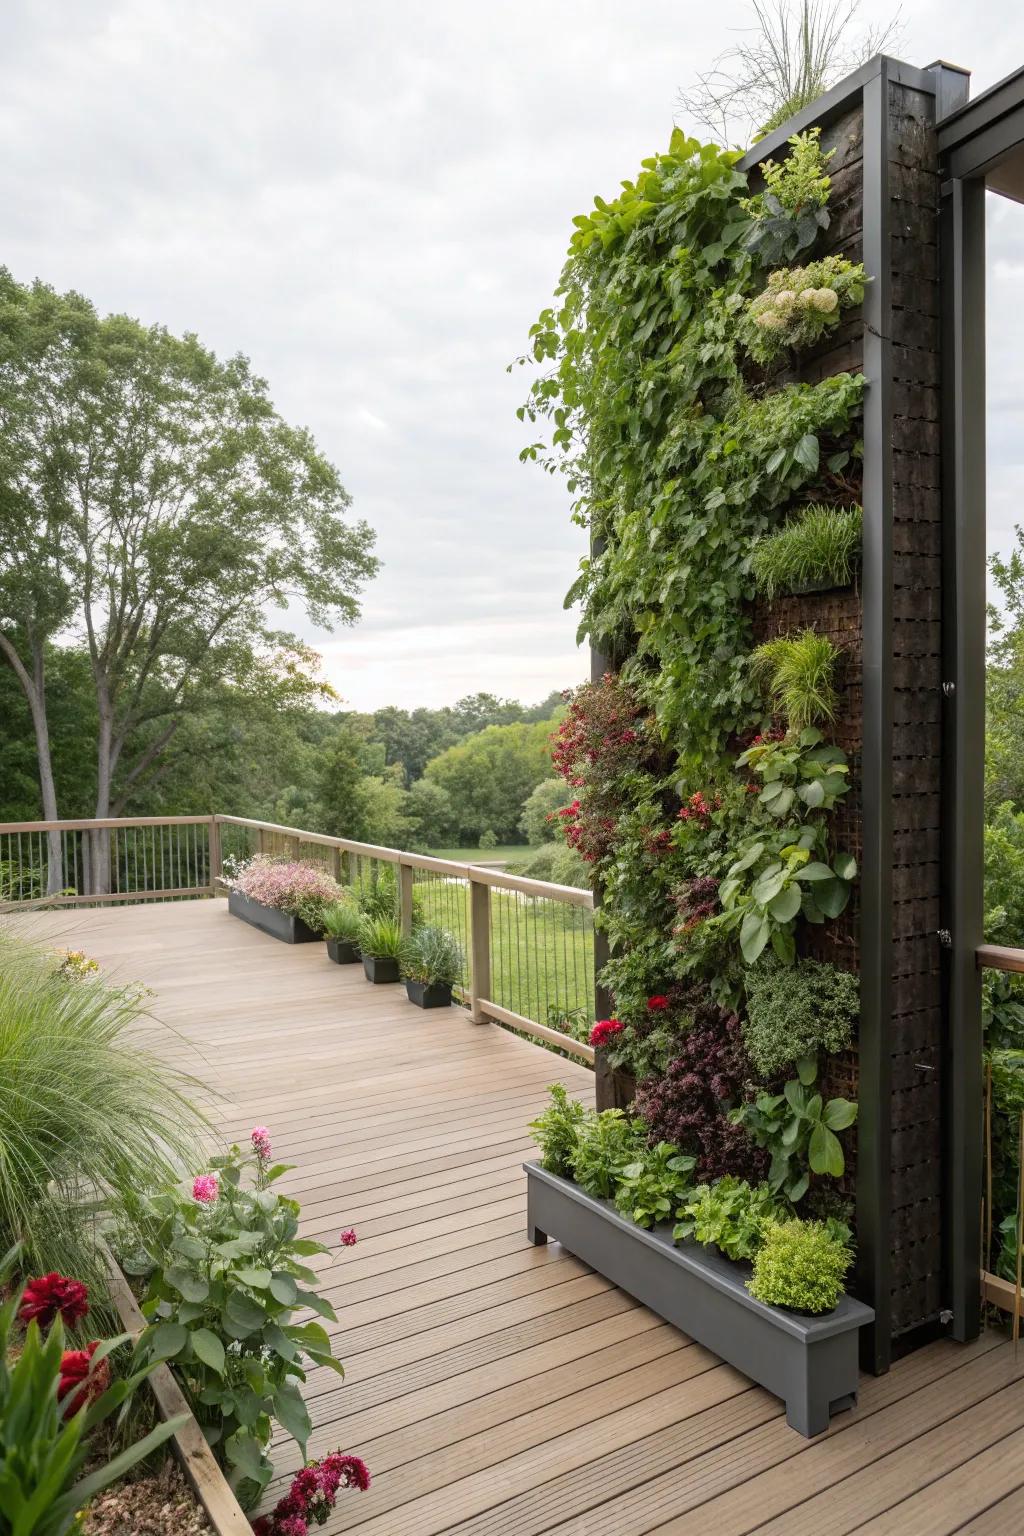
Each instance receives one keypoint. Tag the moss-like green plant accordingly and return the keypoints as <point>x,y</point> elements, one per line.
<point>556,1131</point>
<point>798,674</point>
<point>381,938</point>
<point>795,1011</point>
<point>820,546</point>
<point>343,921</point>
<point>800,1264</point>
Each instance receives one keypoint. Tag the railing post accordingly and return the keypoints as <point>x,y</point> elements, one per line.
<point>293,848</point>
<point>406,874</point>
<point>336,864</point>
<point>479,948</point>
<point>215,854</point>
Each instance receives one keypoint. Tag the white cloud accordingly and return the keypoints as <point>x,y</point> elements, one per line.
<point>373,202</point>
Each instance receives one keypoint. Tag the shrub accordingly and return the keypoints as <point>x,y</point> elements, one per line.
<point>802,1265</point>
<point>795,1011</point>
<point>605,1144</point>
<point>652,1187</point>
<point>51,1401</point>
<point>539,820</point>
<point>222,1302</point>
<point>798,673</point>
<point>342,920</point>
<point>83,1105</point>
<point>561,865</point>
<point>690,1105</point>
<point>556,1129</point>
<point>381,938</point>
<point>821,545</point>
<point>730,1215</point>
<point>799,305</point>
<point>434,956</point>
<point>798,1129</point>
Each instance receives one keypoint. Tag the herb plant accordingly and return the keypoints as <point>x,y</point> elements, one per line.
<point>652,1187</point>
<point>605,1145</point>
<point>798,1128</point>
<point>381,938</point>
<point>779,876</point>
<point>796,1011</point>
<point>819,547</point>
<point>730,1215</point>
<point>798,672</point>
<point>791,212</point>
<point>556,1130</point>
<point>228,1282</point>
<point>801,1265</point>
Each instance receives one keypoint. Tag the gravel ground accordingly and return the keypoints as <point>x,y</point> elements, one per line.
<point>158,1504</point>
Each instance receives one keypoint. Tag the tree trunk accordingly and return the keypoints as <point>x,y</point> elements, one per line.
<point>34,687</point>
<point>100,838</point>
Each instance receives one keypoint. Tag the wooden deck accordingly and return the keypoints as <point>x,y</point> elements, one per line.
<point>496,1389</point>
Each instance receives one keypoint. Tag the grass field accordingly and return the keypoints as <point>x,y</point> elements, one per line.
<point>507,853</point>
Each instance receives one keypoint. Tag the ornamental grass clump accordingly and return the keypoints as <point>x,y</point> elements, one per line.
<point>381,938</point>
<point>795,1011</point>
<point>798,674</point>
<point>433,956</point>
<point>800,1265</point>
<point>84,1108</point>
<point>819,548</point>
<point>342,920</point>
<point>799,305</point>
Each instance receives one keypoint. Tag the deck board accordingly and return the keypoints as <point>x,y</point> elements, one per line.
<point>497,1389</point>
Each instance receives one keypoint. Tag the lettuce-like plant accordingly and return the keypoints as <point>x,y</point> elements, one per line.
<point>731,1215</point>
<point>605,1145</point>
<point>653,1186</point>
<point>799,305</point>
<point>227,1283</point>
<point>802,766</point>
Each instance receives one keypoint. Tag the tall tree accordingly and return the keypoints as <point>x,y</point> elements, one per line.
<point>154,505</point>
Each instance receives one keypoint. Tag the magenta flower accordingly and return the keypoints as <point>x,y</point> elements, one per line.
<point>604,1030</point>
<point>348,1238</point>
<point>205,1188</point>
<point>260,1138</point>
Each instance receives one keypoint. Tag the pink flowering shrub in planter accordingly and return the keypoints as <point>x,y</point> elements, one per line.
<point>284,897</point>
<point>227,1278</point>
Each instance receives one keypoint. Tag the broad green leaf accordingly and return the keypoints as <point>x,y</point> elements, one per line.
<point>839,1113</point>
<point>191,1287</point>
<point>209,1349</point>
<point>258,1277</point>
<point>754,934</point>
<point>291,1412</point>
<point>845,866</point>
<point>168,1340</point>
<point>785,906</point>
<point>283,1288</point>
<point>824,1153</point>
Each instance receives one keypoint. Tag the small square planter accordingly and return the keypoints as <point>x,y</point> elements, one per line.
<point>429,994</point>
<point>810,1362</point>
<point>342,952</point>
<point>380,969</point>
<point>280,925</point>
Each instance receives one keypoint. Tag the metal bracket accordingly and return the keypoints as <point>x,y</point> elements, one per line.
<point>944,937</point>
<point>949,689</point>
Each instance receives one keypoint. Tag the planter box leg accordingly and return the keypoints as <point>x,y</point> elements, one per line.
<point>808,1405</point>
<point>533,1232</point>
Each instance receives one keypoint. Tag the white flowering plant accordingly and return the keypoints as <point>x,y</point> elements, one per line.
<point>799,305</point>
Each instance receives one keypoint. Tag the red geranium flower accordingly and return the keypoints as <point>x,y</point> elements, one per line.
<point>658,1003</point>
<point>78,1376</point>
<point>53,1294</point>
<point>604,1030</point>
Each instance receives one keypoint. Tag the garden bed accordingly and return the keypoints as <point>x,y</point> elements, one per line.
<point>280,925</point>
<point>810,1362</point>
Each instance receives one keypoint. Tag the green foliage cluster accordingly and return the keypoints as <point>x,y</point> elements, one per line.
<point>433,955</point>
<point>818,548</point>
<point>730,1214</point>
<point>800,1265</point>
<point>798,674</point>
<point>798,1129</point>
<point>605,1145</point>
<point>796,1011</point>
<point>792,210</point>
<point>800,305</point>
<point>44,1449</point>
<point>556,1130</point>
<point>83,1106</point>
<point>343,921</point>
<point>227,1286</point>
<point>652,1187</point>
<point>381,938</point>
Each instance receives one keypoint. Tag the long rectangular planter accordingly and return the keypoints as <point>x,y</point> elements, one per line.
<point>810,1362</point>
<point>280,925</point>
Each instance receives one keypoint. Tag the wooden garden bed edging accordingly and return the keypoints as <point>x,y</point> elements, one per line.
<point>810,1362</point>
<point>205,1477</point>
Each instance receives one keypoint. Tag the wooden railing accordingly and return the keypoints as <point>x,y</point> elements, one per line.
<point>1004,1294</point>
<point>529,944</point>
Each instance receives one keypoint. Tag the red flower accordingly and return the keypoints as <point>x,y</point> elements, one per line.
<point>352,1470</point>
<point>51,1295</point>
<point>78,1376</point>
<point>348,1238</point>
<point>604,1030</point>
<point>658,1003</point>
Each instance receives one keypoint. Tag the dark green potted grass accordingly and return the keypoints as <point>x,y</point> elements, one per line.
<point>380,942</point>
<point>342,925</point>
<point>431,964</point>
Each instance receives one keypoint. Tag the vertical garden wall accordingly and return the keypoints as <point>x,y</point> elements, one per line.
<point>743,354</point>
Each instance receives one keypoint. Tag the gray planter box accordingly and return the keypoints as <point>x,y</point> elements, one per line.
<point>810,1362</point>
<point>434,994</point>
<point>381,968</point>
<point>342,952</point>
<point>280,925</point>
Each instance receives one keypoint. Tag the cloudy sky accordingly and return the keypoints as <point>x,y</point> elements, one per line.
<point>372,201</point>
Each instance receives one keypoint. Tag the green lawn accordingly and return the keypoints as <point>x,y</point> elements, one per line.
<point>508,853</point>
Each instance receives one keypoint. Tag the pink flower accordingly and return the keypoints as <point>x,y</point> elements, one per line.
<point>260,1138</point>
<point>205,1188</point>
<point>351,1470</point>
<point>604,1030</point>
<point>348,1238</point>
<point>51,1294</point>
<point>658,1003</point>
